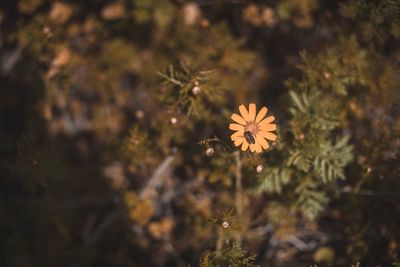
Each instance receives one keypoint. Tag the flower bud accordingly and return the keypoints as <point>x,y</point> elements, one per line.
<point>196,90</point>
<point>326,75</point>
<point>259,168</point>
<point>210,151</point>
<point>47,31</point>
<point>135,142</point>
<point>139,114</point>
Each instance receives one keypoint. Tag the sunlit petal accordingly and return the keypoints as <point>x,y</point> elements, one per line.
<point>261,114</point>
<point>268,135</point>
<point>236,135</point>
<point>268,127</point>
<point>258,148</point>
<point>238,141</point>
<point>261,140</point>
<point>244,113</point>
<point>252,147</point>
<point>245,146</point>
<point>236,118</point>
<point>267,120</point>
<point>252,111</point>
<point>236,127</point>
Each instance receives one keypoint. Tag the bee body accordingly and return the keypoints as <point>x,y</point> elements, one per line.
<point>249,137</point>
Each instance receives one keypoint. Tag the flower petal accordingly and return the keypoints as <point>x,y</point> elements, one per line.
<point>236,118</point>
<point>268,120</point>
<point>261,140</point>
<point>238,141</point>
<point>236,135</point>
<point>268,127</point>
<point>268,135</point>
<point>244,113</point>
<point>245,146</point>
<point>252,111</point>
<point>258,148</point>
<point>252,147</point>
<point>236,127</point>
<point>261,114</point>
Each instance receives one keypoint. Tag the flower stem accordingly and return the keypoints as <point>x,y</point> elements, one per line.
<point>218,247</point>
<point>239,193</point>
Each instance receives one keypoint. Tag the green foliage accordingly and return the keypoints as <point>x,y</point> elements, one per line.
<point>233,256</point>
<point>334,73</point>
<point>184,86</point>
<point>274,180</point>
<point>376,20</point>
<point>311,111</point>
<point>314,119</point>
<point>329,165</point>
<point>310,199</point>
<point>136,146</point>
<point>130,88</point>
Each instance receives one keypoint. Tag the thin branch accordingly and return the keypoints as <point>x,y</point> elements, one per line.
<point>103,226</point>
<point>299,244</point>
<point>170,79</point>
<point>158,177</point>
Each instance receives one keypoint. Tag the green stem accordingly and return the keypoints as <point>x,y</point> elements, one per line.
<point>239,193</point>
<point>218,245</point>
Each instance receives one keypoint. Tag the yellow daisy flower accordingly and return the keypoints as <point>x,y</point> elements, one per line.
<point>251,129</point>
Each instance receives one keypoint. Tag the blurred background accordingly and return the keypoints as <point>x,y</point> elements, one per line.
<point>115,148</point>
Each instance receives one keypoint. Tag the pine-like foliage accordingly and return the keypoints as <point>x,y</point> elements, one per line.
<point>274,180</point>
<point>313,152</point>
<point>183,89</point>
<point>233,256</point>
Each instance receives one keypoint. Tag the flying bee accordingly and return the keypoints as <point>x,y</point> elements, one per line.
<point>249,137</point>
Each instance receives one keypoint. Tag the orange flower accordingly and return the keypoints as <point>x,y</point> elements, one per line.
<point>251,129</point>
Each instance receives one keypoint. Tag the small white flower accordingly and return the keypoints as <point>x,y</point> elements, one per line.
<point>196,90</point>
<point>174,120</point>
<point>136,142</point>
<point>225,224</point>
<point>210,151</point>
<point>260,168</point>
<point>47,31</point>
<point>326,75</point>
<point>139,114</point>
